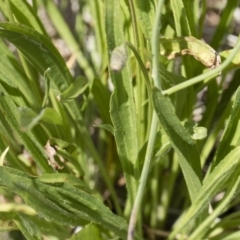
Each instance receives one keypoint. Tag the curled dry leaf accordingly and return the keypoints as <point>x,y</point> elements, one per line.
<point>179,46</point>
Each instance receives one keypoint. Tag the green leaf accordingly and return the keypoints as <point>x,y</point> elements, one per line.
<point>223,26</point>
<point>102,98</point>
<point>97,11</point>
<point>14,78</point>
<point>62,144</point>
<point>64,31</point>
<point>27,227</point>
<point>51,230</point>
<point>204,226</point>
<point>89,232</point>
<point>50,115</point>
<point>145,16</point>
<point>39,51</point>
<point>227,95</point>
<point>162,146</point>
<point>3,7</point>
<point>25,14</point>
<point>228,236</point>
<point>10,113</point>
<point>209,115</point>
<point>181,141</point>
<point>122,106</point>
<point>75,89</point>
<point>107,127</point>
<point>180,98</point>
<point>61,202</point>
<point>199,133</point>
<point>64,177</point>
<point>28,118</point>
<point>188,8</point>
<point>211,186</point>
<point>231,135</point>
<point>180,18</point>
<point>235,63</point>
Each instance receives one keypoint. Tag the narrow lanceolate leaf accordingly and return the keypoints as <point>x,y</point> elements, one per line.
<point>40,52</point>
<point>122,107</point>
<point>61,202</point>
<point>181,141</point>
<point>211,186</point>
<point>10,113</point>
<point>231,135</point>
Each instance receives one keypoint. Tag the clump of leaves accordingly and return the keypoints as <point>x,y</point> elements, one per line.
<point>136,102</point>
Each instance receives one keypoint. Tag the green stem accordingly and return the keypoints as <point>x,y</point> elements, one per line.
<point>154,126</point>
<point>209,74</point>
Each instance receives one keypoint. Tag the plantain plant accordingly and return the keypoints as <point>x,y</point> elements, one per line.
<point>100,138</point>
